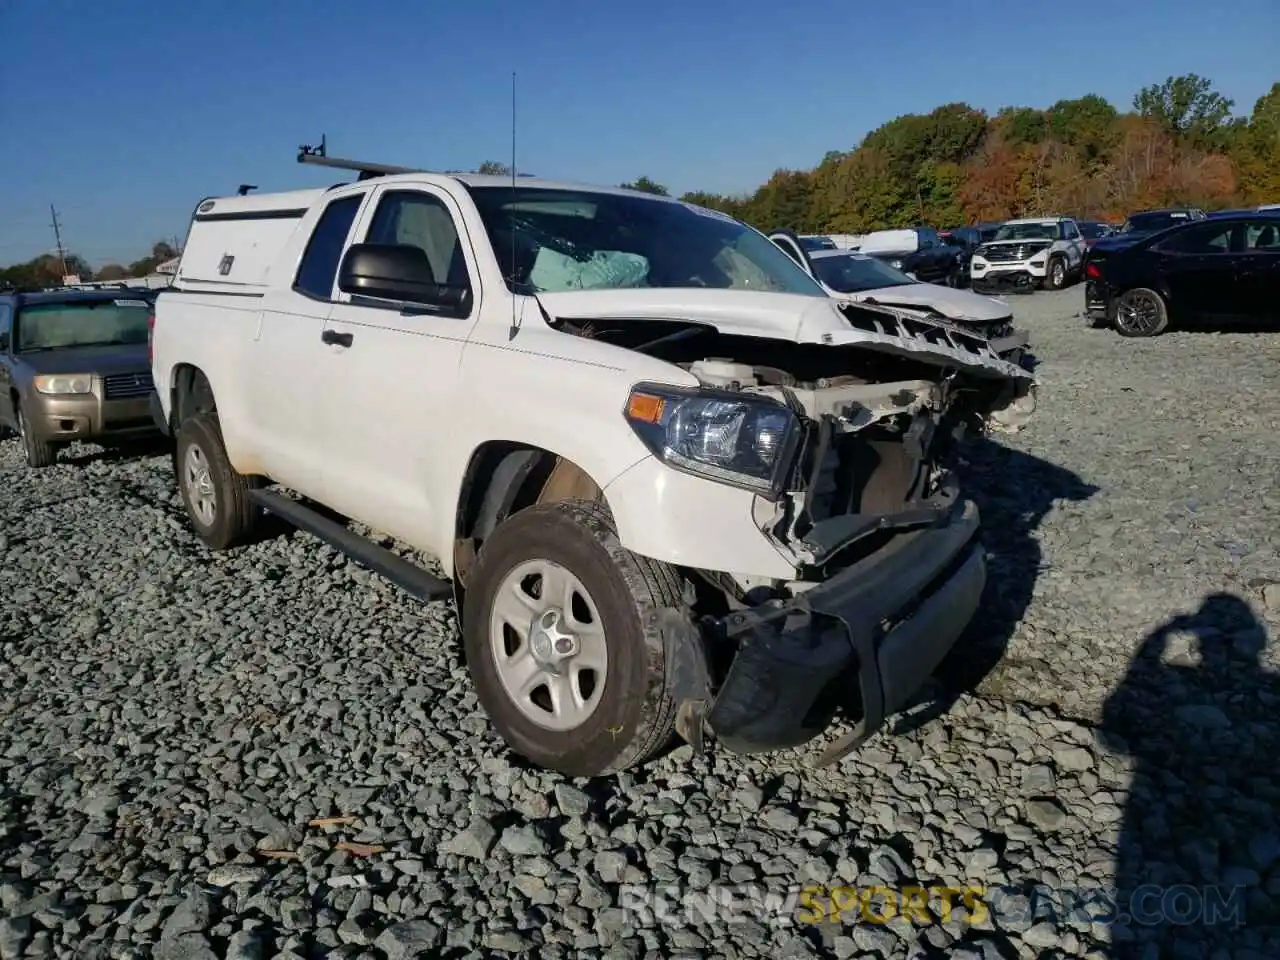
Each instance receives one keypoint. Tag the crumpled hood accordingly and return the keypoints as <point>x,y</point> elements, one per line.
<point>800,318</point>
<point>747,313</point>
<point>955,304</point>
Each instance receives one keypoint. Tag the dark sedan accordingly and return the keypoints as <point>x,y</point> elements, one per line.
<point>1224,270</point>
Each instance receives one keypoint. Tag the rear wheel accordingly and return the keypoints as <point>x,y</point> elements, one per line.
<point>215,495</point>
<point>560,642</point>
<point>39,453</point>
<point>1141,313</point>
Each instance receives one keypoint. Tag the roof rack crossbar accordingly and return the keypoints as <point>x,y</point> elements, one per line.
<point>319,156</point>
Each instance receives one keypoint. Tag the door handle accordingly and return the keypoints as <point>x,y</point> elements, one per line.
<point>336,338</point>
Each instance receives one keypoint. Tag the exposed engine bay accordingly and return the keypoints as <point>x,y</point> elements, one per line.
<point>878,422</point>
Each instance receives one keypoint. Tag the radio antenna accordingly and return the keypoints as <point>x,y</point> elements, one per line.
<point>514,325</point>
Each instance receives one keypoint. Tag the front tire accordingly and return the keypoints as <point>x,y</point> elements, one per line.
<point>39,453</point>
<point>1056,278</point>
<point>215,495</point>
<point>560,641</point>
<point>1141,312</point>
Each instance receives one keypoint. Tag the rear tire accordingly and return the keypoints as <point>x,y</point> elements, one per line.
<point>1141,312</point>
<point>39,453</point>
<point>215,495</point>
<point>564,559</point>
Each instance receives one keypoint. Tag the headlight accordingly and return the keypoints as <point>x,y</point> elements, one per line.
<point>64,383</point>
<point>896,264</point>
<point>742,441</point>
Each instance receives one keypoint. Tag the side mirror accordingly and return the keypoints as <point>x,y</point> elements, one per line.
<point>398,272</point>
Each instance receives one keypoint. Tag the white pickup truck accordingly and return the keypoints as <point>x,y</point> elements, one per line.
<point>673,486</point>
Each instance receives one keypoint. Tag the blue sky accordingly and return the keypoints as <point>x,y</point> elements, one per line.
<point>126,113</point>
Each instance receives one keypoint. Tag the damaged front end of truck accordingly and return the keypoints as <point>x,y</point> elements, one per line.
<point>889,568</point>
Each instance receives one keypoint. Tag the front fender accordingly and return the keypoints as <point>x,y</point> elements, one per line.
<point>688,521</point>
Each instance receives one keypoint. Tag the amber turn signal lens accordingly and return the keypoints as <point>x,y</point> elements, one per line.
<point>645,407</point>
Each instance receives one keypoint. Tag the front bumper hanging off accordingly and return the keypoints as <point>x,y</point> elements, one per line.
<point>1004,281</point>
<point>884,623</point>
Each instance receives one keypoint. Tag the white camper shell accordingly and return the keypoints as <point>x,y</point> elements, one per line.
<point>223,253</point>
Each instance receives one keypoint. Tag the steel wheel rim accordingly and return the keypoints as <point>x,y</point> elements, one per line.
<point>1138,313</point>
<point>1058,273</point>
<point>198,482</point>
<point>548,645</point>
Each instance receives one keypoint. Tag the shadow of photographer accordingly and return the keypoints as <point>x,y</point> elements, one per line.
<point>1198,855</point>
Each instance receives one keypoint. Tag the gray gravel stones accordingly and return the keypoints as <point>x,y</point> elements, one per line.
<point>272,753</point>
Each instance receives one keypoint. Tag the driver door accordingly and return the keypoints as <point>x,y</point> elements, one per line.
<point>1075,244</point>
<point>400,367</point>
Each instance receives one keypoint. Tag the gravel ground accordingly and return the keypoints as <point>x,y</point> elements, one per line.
<point>175,723</point>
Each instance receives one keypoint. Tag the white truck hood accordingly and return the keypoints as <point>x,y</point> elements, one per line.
<point>795,317</point>
<point>953,303</point>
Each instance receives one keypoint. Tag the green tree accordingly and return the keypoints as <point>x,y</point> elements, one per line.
<point>1088,124</point>
<point>111,271</point>
<point>1022,125</point>
<point>645,185</point>
<point>1187,107</point>
<point>493,168</point>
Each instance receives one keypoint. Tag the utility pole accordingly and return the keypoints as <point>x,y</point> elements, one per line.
<point>57,234</point>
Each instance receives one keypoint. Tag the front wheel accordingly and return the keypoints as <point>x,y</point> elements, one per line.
<point>1141,313</point>
<point>1057,278</point>
<point>560,641</point>
<point>39,453</point>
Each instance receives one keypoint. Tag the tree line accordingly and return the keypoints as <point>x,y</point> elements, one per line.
<point>46,270</point>
<point>1179,144</point>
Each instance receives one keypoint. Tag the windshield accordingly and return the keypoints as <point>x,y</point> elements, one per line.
<point>584,240</point>
<point>88,323</point>
<point>1151,222</point>
<point>857,272</point>
<point>817,243</point>
<point>1028,231</point>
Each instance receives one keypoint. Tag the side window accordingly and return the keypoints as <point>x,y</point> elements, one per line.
<point>928,238</point>
<point>1209,238</point>
<point>319,264</point>
<point>418,219</point>
<point>6,325</point>
<point>1259,235</point>
<point>1073,232</point>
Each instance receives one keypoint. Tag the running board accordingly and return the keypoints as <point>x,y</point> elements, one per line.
<point>409,577</point>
